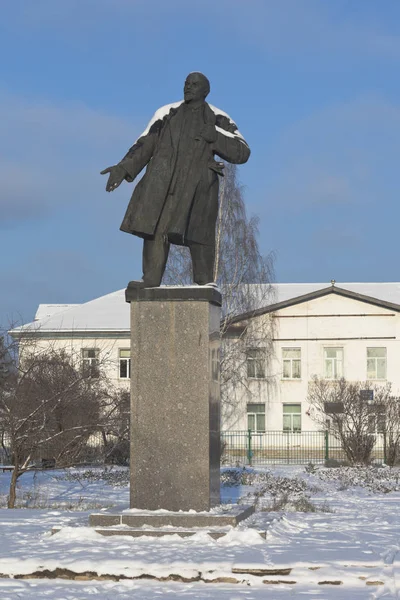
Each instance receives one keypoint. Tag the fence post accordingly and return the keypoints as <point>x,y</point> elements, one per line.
<point>326,445</point>
<point>384,448</point>
<point>249,451</point>
<point>288,447</point>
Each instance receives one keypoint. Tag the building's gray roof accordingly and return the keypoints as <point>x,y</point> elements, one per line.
<point>110,313</point>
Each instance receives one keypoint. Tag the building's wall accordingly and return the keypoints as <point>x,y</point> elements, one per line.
<point>330,321</point>
<point>107,345</point>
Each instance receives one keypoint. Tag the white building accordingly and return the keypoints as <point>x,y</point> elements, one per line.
<point>96,331</point>
<point>343,329</point>
<point>350,330</point>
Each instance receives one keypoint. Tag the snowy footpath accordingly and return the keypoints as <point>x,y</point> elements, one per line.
<point>333,533</point>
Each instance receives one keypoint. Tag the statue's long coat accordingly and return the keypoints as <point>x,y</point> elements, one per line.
<point>198,196</point>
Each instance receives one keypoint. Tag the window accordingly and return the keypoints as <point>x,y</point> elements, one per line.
<point>256,363</point>
<point>124,364</point>
<point>90,362</point>
<point>256,417</point>
<point>376,363</point>
<point>333,363</point>
<point>376,423</point>
<point>292,418</point>
<point>291,358</point>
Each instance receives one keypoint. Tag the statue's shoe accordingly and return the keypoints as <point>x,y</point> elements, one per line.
<point>209,284</point>
<point>139,283</point>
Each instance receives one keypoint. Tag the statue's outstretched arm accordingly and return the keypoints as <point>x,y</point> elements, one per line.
<point>133,162</point>
<point>138,156</point>
<point>142,150</point>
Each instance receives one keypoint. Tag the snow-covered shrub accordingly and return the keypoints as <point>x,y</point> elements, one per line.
<point>333,463</point>
<point>377,480</point>
<point>288,503</point>
<point>273,492</point>
<point>233,476</point>
<point>270,483</point>
<point>115,478</point>
<point>310,468</point>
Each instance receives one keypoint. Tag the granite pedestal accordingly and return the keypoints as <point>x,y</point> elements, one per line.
<point>175,397</point>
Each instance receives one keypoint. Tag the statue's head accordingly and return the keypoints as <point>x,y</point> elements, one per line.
<point>197,87</point>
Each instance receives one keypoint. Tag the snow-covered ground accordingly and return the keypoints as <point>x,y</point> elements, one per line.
<point>347,546</point>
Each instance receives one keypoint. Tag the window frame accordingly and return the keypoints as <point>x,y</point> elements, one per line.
<point>375,359</point>
<point>121,359</point>
<point>335,362</point>
<point>291,415</point>
<point>290,362</point>
<point>377,423</point>
<point>256,414</point>
<point>257,362</point>
<point>91,364</point>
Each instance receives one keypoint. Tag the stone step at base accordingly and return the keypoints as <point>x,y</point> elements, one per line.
<point>161,532</point>
<point>229,517</point>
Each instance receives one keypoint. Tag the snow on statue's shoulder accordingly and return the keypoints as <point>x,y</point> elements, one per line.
<point>162,112</point>
<point>222,113</point>
<point>218,111</point>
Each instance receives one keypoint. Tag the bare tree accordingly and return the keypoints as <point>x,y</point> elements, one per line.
<point>49,406</point>
<point>116,426</point>
<point>356,412</point>
<point>388,423</point>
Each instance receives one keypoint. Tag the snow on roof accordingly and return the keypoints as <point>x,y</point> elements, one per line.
<point>48,310</point>
<point>387,291</point>
<point>107,313</point>
<point>281,292</point>
<point>111,312</point>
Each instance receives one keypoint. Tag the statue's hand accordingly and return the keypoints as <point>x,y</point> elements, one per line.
<point>209,133</point>
<point>117,176</point>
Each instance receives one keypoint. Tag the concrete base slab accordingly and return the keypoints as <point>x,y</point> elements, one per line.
<point>158,519</point>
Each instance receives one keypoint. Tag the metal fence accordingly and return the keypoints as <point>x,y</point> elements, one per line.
<point>96,450</point>
<point>278,447</point>
<point>237,447</point>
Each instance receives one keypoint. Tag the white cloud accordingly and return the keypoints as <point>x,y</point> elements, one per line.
<point>331,203</point>
<point>25,193</point>
<point>321,29</point>
<point>279,27</point>
<point>59,237</point>
<point>38,125</point>
<point>348,238</point>
<point>48,153</point>
<point>345,154</point>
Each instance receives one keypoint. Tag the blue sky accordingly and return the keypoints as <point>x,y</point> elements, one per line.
<point>312,84</point>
